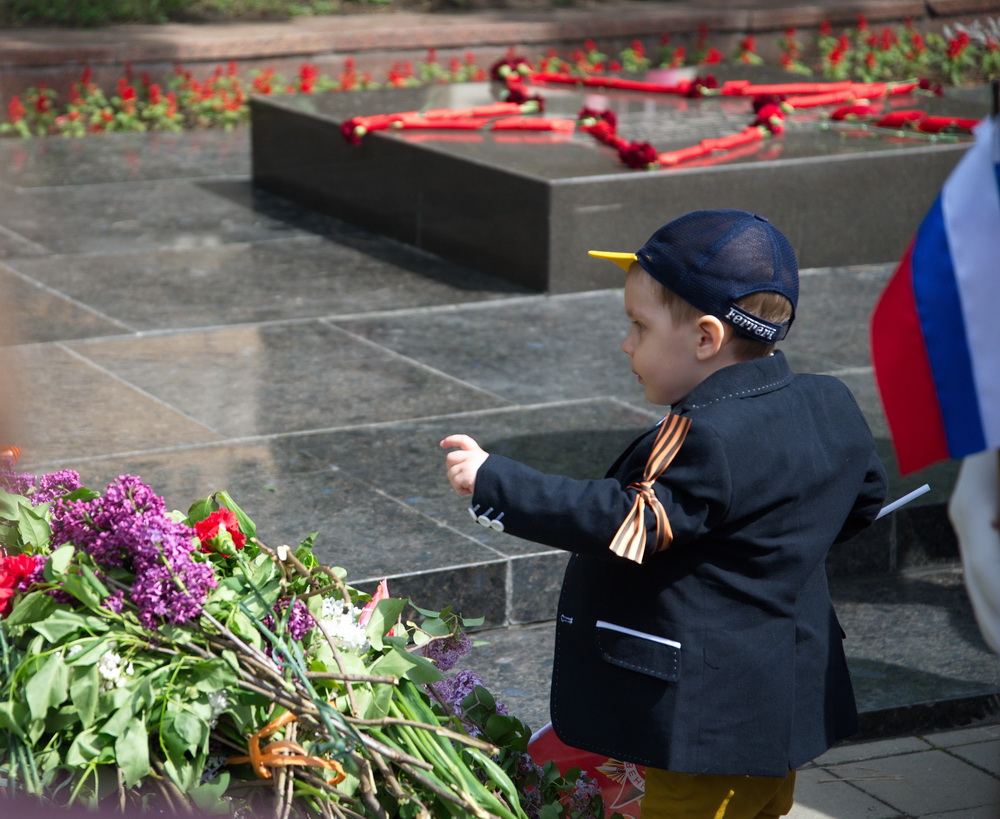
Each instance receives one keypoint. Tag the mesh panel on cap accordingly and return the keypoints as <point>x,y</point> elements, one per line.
<point>713,258</point>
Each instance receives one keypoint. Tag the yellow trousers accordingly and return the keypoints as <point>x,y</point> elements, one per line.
<point>672,795</point>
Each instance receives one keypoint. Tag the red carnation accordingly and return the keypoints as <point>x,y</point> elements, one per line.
<point>772,117</point>
<point>700,84</point>
<point>352,130</point>
<point>638,155</point>
<point>218,530</point>
<point>509,67</point>
<point>517,94</point>
<point>762,100</point>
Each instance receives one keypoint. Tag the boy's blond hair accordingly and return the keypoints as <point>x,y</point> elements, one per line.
<point>770,306</point>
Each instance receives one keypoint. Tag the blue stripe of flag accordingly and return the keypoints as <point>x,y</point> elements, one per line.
<point>940,312</point>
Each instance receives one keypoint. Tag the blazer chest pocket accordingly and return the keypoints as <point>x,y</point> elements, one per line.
<point>638,651</point>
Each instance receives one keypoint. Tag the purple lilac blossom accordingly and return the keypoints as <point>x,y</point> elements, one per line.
<point>300,621</point>
<point>585,789</point>
<point>41,489</point>
<point>531,795</point>
<point>447,651</point>
<point>129,527</point>
<point>454,690</point>
<point>114,601</point>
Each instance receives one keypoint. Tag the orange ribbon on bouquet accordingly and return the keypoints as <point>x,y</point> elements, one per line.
<point>283,753</point>
<point>630,540</point>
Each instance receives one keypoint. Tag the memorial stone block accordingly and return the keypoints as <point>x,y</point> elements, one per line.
<point>526,206</point>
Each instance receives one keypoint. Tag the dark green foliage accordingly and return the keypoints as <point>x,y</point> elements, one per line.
<point>85,13</point>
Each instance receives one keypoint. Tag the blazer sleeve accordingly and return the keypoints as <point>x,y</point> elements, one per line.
<point>583,515</point>
<point>870,500</point>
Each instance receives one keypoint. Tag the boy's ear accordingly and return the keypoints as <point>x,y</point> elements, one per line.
<point>710,336</point>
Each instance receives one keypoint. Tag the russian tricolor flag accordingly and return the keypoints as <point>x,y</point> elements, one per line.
<point>935,332</point>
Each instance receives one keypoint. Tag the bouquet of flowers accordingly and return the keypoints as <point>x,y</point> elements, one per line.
<point>173,662</point>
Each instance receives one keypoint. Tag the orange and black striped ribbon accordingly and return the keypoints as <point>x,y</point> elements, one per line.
<point>630,540</point>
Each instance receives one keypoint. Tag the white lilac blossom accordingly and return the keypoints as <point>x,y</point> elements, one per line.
<point>341,625</point>
<point>218,702</point>
<point>111,672</point>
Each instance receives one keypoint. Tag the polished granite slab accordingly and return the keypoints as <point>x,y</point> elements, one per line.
<point>527,350</point>
<point>280,378</point>
<point>526,206</point>
<point>69,409</point>
<point>120,158</point>
<point>45,314</point>
<point>345,272</point>
<point>153,215</point>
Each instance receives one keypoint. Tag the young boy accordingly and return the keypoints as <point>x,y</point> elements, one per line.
<point>695,631</point>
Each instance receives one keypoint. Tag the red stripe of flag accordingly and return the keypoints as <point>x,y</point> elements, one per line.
<point>904,376</point>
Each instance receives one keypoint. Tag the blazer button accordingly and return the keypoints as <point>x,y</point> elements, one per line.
<point>496,525</point>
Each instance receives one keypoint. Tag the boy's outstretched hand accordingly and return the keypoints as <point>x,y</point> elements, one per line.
<point>463,463</point>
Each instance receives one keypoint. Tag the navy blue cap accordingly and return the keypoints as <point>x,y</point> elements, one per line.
<point>713,258</point>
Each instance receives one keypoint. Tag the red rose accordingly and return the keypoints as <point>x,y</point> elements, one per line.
<point>219,530</point>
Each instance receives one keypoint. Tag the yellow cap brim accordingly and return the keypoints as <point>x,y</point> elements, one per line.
<point>623,260</point>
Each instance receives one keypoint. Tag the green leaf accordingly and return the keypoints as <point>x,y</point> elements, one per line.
<point>201,509</point>
<point>247,526</point>
<point>61,623</point>
<point>550,810</point>
<point>400,663</point>
<point>84,692</point>
<point>132,752</point>
<point>192,730</point>
<point>59,561</point>
<point>10,504</point>
<point>33,527</point>
<point>48,687</point>
<point>92,650</point>
<point>174,634</point>
<point>383,618</point>
<point>213,675</point>
<point>33,607</point>
<point>12,718</point>
<point>207,797</point>
<point>425,612</point>
<point>175,745</point>
<point>264,571</point>
<point>119,721</point>
<point>82,590</point>
<point>86,746</point>
<point>95,584</point>
<point>183,772</point>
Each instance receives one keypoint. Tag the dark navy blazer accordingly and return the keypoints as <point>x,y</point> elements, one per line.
<point>722,654</point>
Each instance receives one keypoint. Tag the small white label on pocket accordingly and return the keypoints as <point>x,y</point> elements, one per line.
<point>634,633</point>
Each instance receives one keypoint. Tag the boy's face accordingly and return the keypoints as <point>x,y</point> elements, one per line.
<point>663,353</point>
